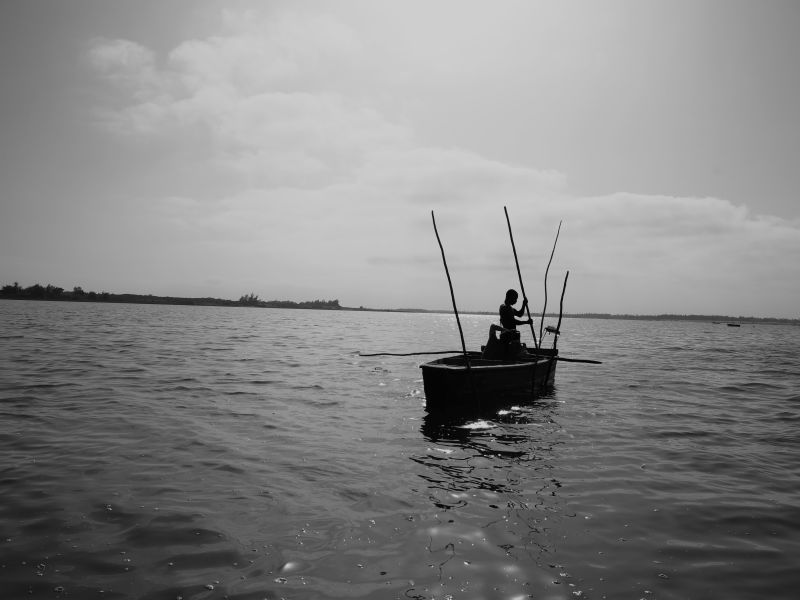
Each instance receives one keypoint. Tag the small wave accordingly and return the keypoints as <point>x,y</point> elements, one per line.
<point>150,535</point>
<point>313,386</point>
<point>323,403</point>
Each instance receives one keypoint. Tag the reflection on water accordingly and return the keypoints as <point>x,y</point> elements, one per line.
<point>493,480</point>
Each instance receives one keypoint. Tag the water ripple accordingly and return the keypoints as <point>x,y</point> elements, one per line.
<point>160,452</point>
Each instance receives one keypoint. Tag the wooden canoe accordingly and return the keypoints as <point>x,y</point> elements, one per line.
<point>452,386</point>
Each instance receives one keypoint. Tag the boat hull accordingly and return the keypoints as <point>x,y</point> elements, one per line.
<point>452,387</point>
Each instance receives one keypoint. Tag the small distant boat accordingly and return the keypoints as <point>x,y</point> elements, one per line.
<point>734,325</point>
<point>472,383</point>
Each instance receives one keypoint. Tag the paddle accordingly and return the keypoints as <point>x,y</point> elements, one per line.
<point>410,353</point>
<point>561,358</point>
<point>579,360</point>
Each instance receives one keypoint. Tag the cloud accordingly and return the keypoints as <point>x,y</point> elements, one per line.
<point>433,176</point>
<point>261,92</point>
<point>325,188</point>
<point>704,254</point>
<point>122,60</point>
<point>265,96</point>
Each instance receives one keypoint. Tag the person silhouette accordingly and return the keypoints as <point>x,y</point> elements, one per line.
<point>504,340</point>
<point>508,315</point>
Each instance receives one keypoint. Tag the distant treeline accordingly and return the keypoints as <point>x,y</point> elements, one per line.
<point>52,292</point>
<point>254,300</point>
<point>668,317</point>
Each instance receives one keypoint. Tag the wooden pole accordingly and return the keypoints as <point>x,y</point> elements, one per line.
<point>558,327</point>
<point>560,311</point>
<point>546,271</point>
<point>455,309</point>
<point>519,275</point>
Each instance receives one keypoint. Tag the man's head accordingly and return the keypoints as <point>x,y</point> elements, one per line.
<point>511,297</point>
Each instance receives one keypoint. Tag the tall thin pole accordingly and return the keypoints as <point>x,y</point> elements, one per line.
<point>560,311</point>
<point>558,328</point>
<point>455,311</point>
<point>452,297</point>
<point>546,271</point>
<point>519,275</point>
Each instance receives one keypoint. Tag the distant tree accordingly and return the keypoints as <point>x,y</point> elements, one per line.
<point>52,291</point>
<point>11,290</point>
<point>78,291</point>
<point>320,304</point>
<point>250,299</point>
<point>35,291</point>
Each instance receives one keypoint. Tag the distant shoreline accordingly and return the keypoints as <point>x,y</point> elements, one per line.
<point>53,294</point>
<point>714,319</point>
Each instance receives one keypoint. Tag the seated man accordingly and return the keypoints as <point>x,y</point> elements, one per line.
<point>508,314</point>
<point>508,346</point>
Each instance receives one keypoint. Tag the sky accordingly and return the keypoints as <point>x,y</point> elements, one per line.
<point>297,150</point>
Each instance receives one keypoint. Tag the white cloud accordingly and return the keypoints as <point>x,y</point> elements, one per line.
<point>326,188</point>
<point>115,57</point>
<point>129,65</point>
<point>261,91</point>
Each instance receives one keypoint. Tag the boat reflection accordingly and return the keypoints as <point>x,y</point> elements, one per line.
<point>455,427</point>
<point>492,484</point>
<point>507,453</point>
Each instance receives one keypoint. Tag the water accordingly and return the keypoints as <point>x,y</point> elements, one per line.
<point>200,452</point>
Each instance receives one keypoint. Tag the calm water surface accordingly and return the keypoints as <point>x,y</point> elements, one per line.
<point>194,452</point>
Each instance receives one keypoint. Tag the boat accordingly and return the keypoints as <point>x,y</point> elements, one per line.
<point>471,383</point>
<point>503,372</point>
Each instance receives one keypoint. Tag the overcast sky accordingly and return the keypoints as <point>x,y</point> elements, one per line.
<point>296,150</point>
